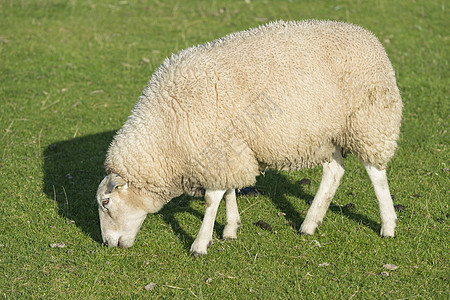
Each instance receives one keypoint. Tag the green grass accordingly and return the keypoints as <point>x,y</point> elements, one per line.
<point>70,72</point>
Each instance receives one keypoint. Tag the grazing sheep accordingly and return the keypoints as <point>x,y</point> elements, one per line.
<point>287,95</point>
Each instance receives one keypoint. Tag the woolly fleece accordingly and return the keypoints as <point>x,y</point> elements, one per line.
<point>282,96</point>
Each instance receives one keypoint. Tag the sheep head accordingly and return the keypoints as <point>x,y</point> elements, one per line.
<point>122,211</point>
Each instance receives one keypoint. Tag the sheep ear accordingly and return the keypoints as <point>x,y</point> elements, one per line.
<point>116,183</point>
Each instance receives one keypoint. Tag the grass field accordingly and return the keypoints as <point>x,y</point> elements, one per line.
<point>70,72</point>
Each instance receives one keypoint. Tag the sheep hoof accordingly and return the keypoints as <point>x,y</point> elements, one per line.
<point>307,229</point>
<point>197,254</point>
<point>386,235</point>
<point>230,232</point>
<point>303,233</point>
<point>387,232</point>
<point>388,228</point>
<point>198,248</point>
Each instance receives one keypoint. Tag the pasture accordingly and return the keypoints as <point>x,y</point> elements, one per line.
<point>70,73</point>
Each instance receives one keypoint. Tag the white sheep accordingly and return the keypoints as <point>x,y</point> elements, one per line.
<point>287,95</point>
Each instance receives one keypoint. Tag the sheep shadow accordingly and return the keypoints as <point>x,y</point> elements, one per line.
<point>74,168</point>
<point>278,188</point>
<point>282,187</point>
<point>72,171</point>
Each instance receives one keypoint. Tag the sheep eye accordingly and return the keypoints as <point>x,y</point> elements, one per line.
<point>105,201</point>
<point>117,187</point>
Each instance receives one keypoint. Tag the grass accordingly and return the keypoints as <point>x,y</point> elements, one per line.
<point>70,72</point>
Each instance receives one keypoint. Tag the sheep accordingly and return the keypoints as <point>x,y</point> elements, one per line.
<point>284,96</point>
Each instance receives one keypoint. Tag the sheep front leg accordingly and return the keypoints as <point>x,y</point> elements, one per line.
<point>232,216</point>
<point>387,212</point>
<point>204,236</point>
<point>331,177</point>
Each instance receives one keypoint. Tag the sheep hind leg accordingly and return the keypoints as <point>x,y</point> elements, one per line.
<point>204,236</point>
<point>387,212</point>
<point>331,177</point>
<point>232,216</point>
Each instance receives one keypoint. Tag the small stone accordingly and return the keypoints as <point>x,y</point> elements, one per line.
<point>209,280</point>
<point>263,225</point>
<point>390,267</point>
<point>399,207</point>
<point>325,264</point>
<point>304,181</point>
<point>384,274</point>
<point>150,286</point>
<point>58,245</point>
<point>349,206</point>
<point>70,177</point>
<point>248,192</point>
<point>280,214</point>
